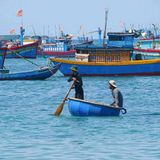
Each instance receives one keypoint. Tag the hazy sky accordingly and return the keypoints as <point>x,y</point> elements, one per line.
<point>45,16</point>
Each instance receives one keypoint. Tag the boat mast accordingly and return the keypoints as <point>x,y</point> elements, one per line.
<point>106,18</point>
<point>154,36</point>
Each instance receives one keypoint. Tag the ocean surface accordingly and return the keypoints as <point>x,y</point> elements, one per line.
<point>30,131</point>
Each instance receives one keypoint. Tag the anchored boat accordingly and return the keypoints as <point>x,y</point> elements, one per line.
<point>24,51</point>
<point>39,74</point>
<point>117,59</point>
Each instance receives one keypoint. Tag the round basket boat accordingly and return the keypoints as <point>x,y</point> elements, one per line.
<point>78,107</point>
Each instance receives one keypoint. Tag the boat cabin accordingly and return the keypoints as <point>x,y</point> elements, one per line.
<point>120,40</point>
<point>104,55</point>
<point>119,48</point>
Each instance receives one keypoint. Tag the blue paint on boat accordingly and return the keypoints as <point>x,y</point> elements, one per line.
<point>39,74</point>
<point>24,51</point>
<point>2,57</point>
<point>119,39</point>
<point>113,69</point>
<point>115,60</point>
<point>79,107</point>
<point>147,43</point>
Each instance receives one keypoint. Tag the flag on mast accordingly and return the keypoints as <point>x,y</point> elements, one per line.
<point>19,13</point>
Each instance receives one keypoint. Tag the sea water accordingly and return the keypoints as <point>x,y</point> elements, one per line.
<point>30,131</point>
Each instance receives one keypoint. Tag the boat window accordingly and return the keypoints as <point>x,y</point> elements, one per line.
<point>115,38</point>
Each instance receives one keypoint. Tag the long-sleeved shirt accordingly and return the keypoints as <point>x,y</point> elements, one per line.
<point>117,97</point>
<point>78,86</point>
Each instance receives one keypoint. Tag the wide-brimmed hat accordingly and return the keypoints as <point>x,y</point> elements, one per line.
<point>112,83</point>
<point>74,68</point>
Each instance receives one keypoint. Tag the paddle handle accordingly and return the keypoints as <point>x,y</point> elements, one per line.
<point>60,107</point>
<point>68,92</point>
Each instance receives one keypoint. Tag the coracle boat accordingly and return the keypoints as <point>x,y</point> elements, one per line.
<point>78,107</point>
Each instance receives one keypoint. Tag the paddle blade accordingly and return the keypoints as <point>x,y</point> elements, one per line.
<point>59,109</point>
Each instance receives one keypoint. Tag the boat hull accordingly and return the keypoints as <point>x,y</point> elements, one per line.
<point>147,50</point>
<point>85,108</point>
<point>2,57</point>
<point>25,51</point>
<point>40,74</point>
<point>148,53</point>
<point>125,68</point>
<point>70,53</point>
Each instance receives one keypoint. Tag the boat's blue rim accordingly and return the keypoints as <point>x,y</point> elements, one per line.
<point>95,103</point>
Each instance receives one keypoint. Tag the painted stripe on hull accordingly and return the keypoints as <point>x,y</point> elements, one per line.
<point>134,69</point>
<point>147,50</point>
<point>25,51</point>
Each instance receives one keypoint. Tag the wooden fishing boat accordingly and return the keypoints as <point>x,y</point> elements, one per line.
<point>79,107</point>
<point>147,48</point>
<point>147,53</point>
<point>57,49</point>
<point>40,74</point>
<point>70,53</point>
<point>24,51</point>
<point>113,68</point>
<point>147,43</point>
<point>117,59</point>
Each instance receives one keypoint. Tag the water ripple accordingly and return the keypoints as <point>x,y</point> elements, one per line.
<point>30,131</point>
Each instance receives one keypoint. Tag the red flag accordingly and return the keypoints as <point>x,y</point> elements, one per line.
<point>13,31</point>
<point>20,13</point>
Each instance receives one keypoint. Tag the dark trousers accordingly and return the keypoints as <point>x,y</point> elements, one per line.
<point>79,94</point>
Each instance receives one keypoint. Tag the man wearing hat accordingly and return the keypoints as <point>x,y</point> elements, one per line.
<point>77,83</point>
<point>117,95</point>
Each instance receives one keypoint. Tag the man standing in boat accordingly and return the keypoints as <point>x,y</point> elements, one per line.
<point>77,83</point>
<point>117,95</point>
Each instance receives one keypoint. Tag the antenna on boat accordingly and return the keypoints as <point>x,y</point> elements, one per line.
<point>106,18</point>
<point>155,29</point>
<point>43,30</point>
<point>55,28</point>
<point>33,30</point>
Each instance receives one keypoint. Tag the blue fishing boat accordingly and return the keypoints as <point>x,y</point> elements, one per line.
<point>147,48</point>
<point>17,48</point>
<point>2,57</point>
<point>111,60</point>
<point>147,53</point>
<point>148,43</point>
<point>79,107</point>
<point>58,49</point>
<point>24,51</point>
<point>39,74</point>
<point>121,68</point>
